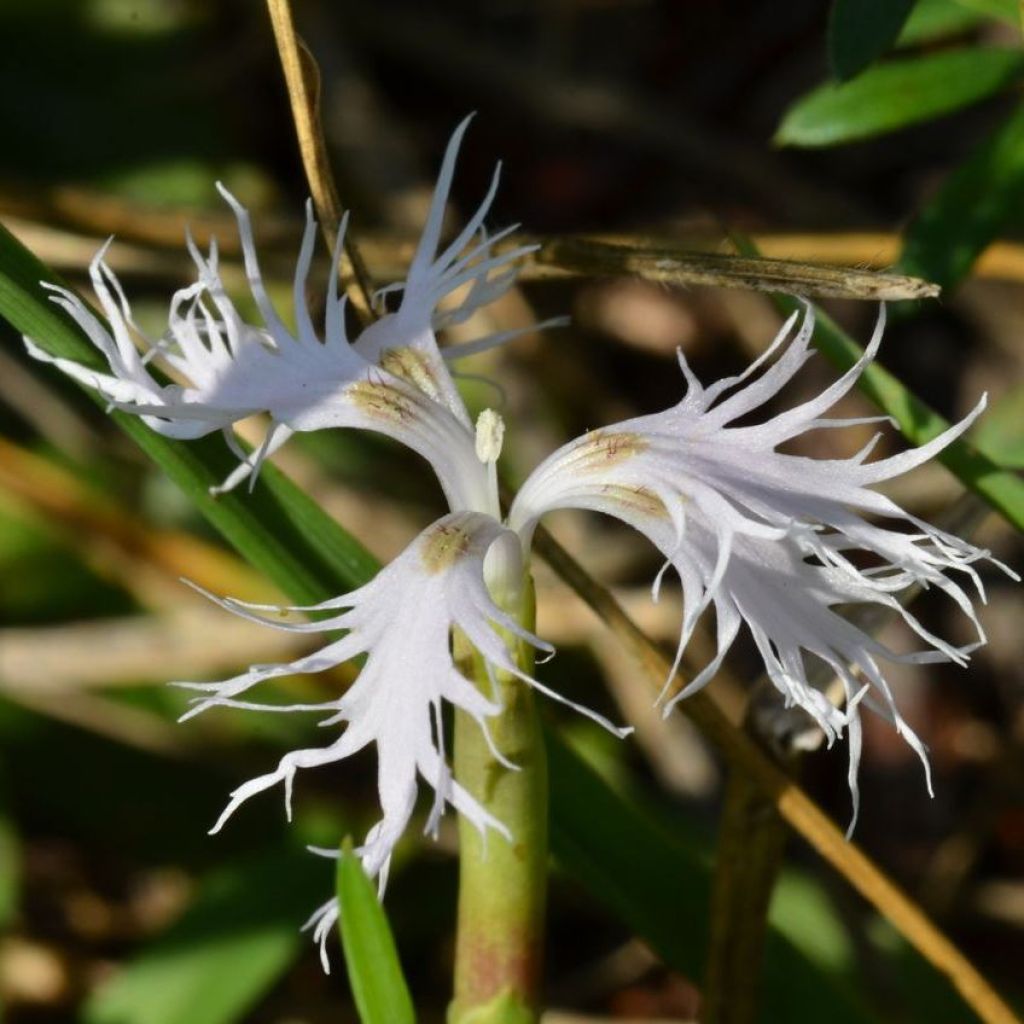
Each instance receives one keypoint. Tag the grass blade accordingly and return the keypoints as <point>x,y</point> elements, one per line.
<point>1000,434</point>
<point>374,971</point>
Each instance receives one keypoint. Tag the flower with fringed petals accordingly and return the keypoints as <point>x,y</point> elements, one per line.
<point>770,541</point>
<point>766,538</point>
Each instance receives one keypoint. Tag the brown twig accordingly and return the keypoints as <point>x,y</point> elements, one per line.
<point>302,78</point>
<point>752,833</point>
<point>668,263</point>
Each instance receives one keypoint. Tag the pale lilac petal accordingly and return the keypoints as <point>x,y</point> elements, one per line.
<point>766,536</point>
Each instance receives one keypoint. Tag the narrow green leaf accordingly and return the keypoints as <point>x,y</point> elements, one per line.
<point>897,94</point>
<point>278,528</point>
<point>374,971</point>
<point>1002,10</point>
<point>918,422</point>
<point>231,945</point>
<point>931,20</point>
<point>981,196</point>
<point>860,31</point>
<point>1000,434</point>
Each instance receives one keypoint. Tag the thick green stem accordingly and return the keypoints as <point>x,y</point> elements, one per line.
<point>502,884</point>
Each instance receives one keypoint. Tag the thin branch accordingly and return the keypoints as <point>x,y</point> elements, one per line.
<point>302,77</point>
<point>666,263</point>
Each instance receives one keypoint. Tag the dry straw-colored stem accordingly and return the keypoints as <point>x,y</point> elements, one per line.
<point>666,263</point>
<point>302,77</point>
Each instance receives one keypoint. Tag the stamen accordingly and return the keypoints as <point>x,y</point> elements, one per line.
<point>490,433</point>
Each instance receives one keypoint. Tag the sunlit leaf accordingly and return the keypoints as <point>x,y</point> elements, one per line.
<point>936,19</point>
<point>1000,433</point>
<point>859,31</point>
<point>898,93</point>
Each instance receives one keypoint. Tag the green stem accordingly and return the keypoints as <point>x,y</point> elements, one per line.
<point>502,884</point>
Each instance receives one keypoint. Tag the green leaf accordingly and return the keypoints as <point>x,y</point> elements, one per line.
<point>231,945</point>
<point>859,31</point>
<point>939,19</point>
<point>1001,10</point>
<point>981,196</point>
<point>1000,433</point>
<point>374,972</point>
<point>918,422</point>
<point>931,20</point>
<point>278,528</point>
<point>897,94</point>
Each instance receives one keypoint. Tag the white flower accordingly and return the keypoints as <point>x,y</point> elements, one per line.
<point>770,540</point>
<point>764,536</point>
<point>392,379</point>
<point>402,622</point>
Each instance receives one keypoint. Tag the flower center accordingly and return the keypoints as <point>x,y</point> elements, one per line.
<point>413,366</point>
<point>443,546</point>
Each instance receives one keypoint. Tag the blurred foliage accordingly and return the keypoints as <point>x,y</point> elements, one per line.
<point>858,32</point>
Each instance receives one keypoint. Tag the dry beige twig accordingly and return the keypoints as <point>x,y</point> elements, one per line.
<point>303,80</point>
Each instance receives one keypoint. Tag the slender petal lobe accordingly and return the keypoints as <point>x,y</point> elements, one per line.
<point>401,622</point>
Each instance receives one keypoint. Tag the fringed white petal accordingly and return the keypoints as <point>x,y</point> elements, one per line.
<point>764,536</point>
<point>231,370</point>
<point>402,623</point>
<point>405,340</point>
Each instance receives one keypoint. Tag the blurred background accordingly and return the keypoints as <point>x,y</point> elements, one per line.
<point>628,117</point>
